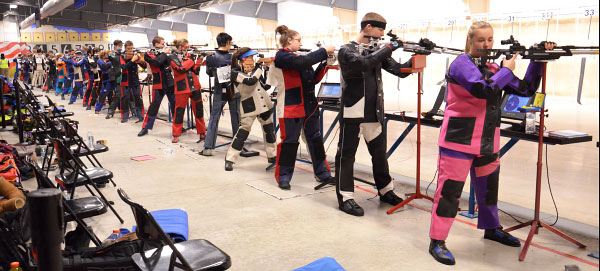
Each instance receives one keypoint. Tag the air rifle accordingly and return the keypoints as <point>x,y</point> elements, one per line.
<point>537,52</point>
<point>423,47</point>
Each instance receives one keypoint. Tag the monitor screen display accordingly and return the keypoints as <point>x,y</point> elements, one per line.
<point>331,90</point>
<point>514,102</point>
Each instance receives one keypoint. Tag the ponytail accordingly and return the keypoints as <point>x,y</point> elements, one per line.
<point>286,34</point>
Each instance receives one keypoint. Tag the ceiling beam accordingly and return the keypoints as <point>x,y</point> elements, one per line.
<point>345,4</point>
<point>265,10</point>
<point>198,17</point>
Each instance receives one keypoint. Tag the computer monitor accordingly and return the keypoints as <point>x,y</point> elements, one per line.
<point>511,104</point>
<point>330,91</point>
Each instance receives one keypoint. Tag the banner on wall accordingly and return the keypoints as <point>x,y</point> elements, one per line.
<point>12,49</point>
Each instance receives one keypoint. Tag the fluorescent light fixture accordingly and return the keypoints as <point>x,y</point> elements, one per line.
<point>13,6</point>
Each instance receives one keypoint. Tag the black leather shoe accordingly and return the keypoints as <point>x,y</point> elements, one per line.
<point>285,185</point>
<point>350,207</point>
<point>124,120</point>
<point>328,180</point>
<point>229,166</point>
<point>391,198</point>
<point>143,132</point>
<point>440,253</point>
<point>272,160</point>
<point>502,237</point>
<point>70,102</point>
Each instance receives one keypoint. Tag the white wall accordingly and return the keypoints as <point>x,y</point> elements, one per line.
<point>533,5</point>
<point>199,34</point>
<point>8,31</point>
<point>138,39</point>
<point>238,26</point>
<point>167,35</point>
<point>305,17</point>
<point>396,12</point>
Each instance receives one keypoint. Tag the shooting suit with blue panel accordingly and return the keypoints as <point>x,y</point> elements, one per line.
<point>107,83</point>
<point>68,87</point>
<point>78,78</point>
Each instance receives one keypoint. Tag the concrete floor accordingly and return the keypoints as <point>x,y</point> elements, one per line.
<point>260,232</point>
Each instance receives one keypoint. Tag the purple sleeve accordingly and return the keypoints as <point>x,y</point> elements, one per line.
<point>464,72</point>
<point>529,84</point>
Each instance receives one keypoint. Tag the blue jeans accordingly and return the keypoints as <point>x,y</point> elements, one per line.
<point>215,115</point>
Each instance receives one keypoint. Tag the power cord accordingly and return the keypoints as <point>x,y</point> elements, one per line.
<point>511,216</point>
<point>432,179</point>
<point>550,188</point>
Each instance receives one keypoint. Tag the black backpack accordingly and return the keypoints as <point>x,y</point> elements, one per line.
<point>14,233</point>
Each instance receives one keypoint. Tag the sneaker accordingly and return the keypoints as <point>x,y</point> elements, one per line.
<point>124,120</point>
<point>502,237</point>
<point>143,132</point>
<point>440,253</point>
<point>391,198</point>
<point>285,185</point>
<point>89,107</point>
<point>108,116</point>
<point>350,207</point>
<point>84,105</point>
<point>272,160</point>
<point>174,139</point>
<point>206,152</point>
<point>70,102</point>
<point>228,166</point>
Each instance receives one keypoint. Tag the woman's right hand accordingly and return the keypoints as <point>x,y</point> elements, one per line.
<point>510,63</point>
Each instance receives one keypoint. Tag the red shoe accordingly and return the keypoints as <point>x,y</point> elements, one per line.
<point>175,139</point>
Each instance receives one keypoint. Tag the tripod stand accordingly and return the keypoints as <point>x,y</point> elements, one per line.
<point>419,62</point>
<point>536,223</point>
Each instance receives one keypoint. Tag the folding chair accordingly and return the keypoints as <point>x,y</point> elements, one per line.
<point>188,255</point>
<point>75,209</point>
<point>79,148</point>
<point>56,113</point>
<point>79,175</point>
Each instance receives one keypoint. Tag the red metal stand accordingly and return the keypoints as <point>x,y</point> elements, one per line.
<point>419,63</point>
<point>536,223</point>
